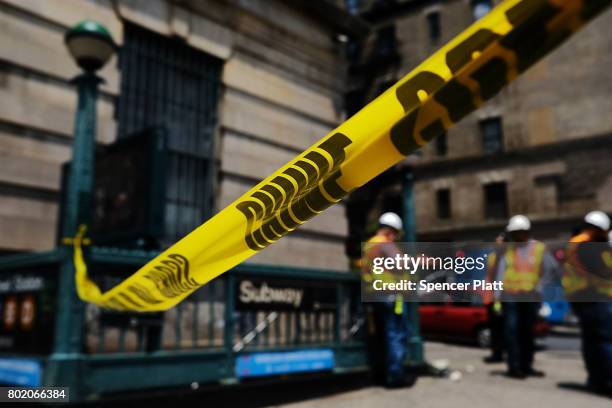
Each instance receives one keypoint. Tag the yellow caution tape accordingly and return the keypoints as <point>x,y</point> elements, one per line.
<point>86,288</point>
<point>450,84</point>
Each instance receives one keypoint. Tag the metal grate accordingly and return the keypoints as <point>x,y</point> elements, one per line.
<point>211,318</point>
<point>164,82</point>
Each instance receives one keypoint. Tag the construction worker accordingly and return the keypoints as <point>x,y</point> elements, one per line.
<point>524,268</point>
<point>390,331</point>
<point>494,308</point>
<point>587,281</point>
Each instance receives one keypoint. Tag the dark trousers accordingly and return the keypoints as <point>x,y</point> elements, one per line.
<point>496,324</point>
<point>596,331</point>
<point>519,320</point>
<point>391,336</point>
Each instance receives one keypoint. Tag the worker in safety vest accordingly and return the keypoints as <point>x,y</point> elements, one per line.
<point>587,281</point>
<point>521,267</point>
<point>494,307</point>
<point>389,331</point>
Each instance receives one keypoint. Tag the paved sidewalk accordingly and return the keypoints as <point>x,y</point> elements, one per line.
<point>480,385</point>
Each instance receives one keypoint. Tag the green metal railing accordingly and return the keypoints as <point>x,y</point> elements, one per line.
<point>197,341</point>
<point>201,321</point>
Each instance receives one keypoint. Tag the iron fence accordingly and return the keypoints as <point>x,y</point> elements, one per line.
<point>200,340</point>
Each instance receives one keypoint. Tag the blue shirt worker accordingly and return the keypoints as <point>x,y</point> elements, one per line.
<point>390,314</point>
<point>587,281</point>
<point>524,267</point>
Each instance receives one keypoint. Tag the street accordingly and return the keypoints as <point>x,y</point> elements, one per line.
<point>472,383</point>
<point>482,385</point>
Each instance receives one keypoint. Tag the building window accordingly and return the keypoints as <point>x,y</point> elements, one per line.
<point>386,42</point>
<point>166,83</point>
<point>492,136</point>
<point>442,145</point>
<point>443,204</point>
<point>496,201</point>
<point>433,23</point>
<point>480,8</point>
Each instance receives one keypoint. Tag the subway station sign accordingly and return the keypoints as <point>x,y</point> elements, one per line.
<point>280,294</point>
<point>27,302</point>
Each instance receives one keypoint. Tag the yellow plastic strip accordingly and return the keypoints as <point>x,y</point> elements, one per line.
<point>447,86</point>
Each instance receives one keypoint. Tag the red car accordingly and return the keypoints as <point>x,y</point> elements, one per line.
<point>462,322</point>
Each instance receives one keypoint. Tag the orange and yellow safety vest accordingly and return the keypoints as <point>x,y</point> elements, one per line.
<point>487,295</point>
<point>576,277</point>
<point>523,273</point>
<point>372,250</point>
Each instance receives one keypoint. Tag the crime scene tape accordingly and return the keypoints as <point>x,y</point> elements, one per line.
<point>447,86</point>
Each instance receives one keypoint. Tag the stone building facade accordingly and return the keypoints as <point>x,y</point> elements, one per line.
<point>542,147</point>
<point>281,88</point>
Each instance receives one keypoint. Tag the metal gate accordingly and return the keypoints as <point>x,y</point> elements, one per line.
<point>209,338</point>
<point>166,83</point>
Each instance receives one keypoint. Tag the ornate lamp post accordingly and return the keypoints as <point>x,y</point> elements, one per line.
<point>91,45</point>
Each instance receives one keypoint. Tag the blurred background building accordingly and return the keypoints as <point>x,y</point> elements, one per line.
<point>542,147</point>
<point>240,87</point>
<point>205,99</point>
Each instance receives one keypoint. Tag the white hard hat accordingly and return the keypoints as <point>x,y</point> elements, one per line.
<point>392,220</point>
<point>518,223</point>
<point>598,219</point>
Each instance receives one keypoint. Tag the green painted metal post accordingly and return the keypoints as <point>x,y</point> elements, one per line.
<point>63,366</point>
<point>338,315</point>
<point>228,332</point>
<point>415,342</point>
<point>68,337</point>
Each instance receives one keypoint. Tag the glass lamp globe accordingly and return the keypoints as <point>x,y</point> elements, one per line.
<point>90,44</point>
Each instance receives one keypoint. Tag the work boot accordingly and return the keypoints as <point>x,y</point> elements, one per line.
<point>600,389</point>
<point>493,359</point>
<point>516,374</point>
<point>395,383</point>
<point>406,380</point>
<point>531,372</point>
